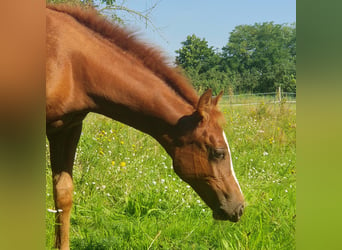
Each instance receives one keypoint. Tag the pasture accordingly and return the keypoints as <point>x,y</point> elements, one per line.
<point>127,195</point>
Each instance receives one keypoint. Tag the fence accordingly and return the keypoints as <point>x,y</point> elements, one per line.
<point>254,99</point>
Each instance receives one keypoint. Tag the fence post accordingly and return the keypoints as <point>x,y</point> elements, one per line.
<point>279,93</point>
<point>231,95</point>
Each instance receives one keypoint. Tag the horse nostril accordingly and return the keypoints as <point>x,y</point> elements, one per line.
<point>241,209</point>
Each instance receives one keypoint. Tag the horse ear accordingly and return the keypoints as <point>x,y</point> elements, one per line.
<point>217,98</point>
<point>205,103</point>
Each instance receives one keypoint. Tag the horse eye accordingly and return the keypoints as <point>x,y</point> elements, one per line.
<point>218,154</point>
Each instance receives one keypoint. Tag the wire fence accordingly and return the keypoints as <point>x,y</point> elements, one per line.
<point>258,98</point>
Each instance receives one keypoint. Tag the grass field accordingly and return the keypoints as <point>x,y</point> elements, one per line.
<point>127,195</point>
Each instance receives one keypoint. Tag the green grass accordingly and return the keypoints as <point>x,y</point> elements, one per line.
<point>127,195</point>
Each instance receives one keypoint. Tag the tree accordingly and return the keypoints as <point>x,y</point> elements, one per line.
<point>257,58</point>
<point>196,55</point>
<point>264,54</point>
<point>201,64</point>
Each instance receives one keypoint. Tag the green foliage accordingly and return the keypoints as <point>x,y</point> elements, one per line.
<point>266,52</point>
<point>127,195</point>
<point>212,78</point>
<point>257,58</point>
<point>196,55</point>
<point>201,64</point>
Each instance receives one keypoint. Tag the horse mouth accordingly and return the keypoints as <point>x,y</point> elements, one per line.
<point>221,214</point>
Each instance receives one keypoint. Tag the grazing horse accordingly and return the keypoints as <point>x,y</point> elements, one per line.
<point>95,66</point>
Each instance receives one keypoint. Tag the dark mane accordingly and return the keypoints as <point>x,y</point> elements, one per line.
<point>149,56</point>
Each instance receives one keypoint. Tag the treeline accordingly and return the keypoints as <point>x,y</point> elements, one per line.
<point>257,58</point>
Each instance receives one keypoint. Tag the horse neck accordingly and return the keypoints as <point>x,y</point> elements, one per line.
<point>126,91</point>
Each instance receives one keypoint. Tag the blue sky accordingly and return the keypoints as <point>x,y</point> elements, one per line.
<point>212,20</point>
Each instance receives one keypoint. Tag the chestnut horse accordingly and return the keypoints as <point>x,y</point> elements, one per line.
<point>95,66</point>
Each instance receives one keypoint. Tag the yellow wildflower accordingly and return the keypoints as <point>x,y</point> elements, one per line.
<point>271,140</point>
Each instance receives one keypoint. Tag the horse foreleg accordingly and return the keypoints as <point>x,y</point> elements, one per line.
<point>62,190</point>
<point>62,152</point>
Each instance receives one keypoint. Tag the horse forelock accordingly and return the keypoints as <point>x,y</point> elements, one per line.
<point>151,57</point>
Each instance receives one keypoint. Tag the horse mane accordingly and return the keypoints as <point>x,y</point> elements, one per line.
<point>150,57</point>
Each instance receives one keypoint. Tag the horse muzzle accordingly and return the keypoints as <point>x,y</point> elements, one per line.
<point>233,216</point>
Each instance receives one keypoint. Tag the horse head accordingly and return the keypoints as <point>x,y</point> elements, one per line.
<point>202,158</point>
